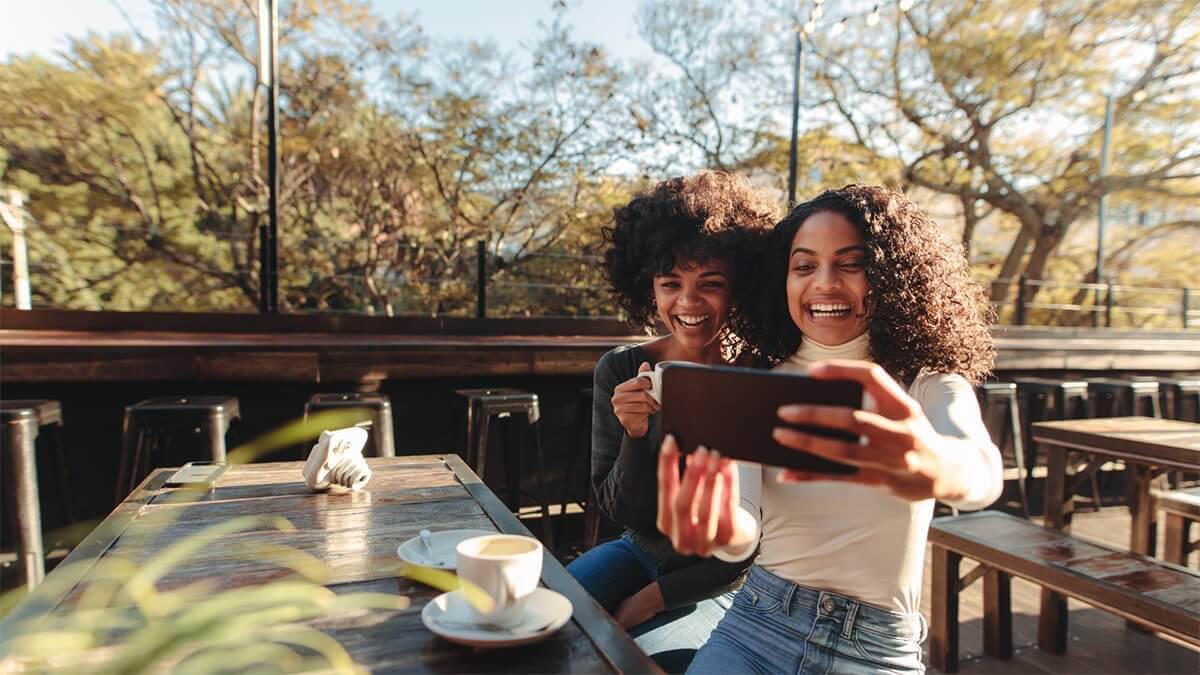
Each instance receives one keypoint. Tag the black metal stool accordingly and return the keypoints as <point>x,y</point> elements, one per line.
<point>1002,417</point>
<point>1124,398</point>
<point>1183,398</point>
<point>382,442</point>
<point>581,451</point>
<point>502,403</point>
<point>1047,400</point>
<point>50,436</point>
<point>188,427</point>
<point>21,490</point>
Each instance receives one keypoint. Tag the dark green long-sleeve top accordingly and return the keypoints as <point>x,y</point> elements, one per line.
<point>625,477</point>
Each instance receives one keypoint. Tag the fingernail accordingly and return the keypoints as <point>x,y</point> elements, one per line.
<point>790,409</point>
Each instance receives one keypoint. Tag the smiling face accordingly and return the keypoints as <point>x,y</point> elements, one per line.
<point>827,283</point>
<point>693,300</point>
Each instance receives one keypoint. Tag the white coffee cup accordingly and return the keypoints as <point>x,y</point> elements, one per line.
<point>655,377</point>
<point>505,566</point>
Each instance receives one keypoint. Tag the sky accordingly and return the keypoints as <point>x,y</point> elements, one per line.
<point>33,27</point>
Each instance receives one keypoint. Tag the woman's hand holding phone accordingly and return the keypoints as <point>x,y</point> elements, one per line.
<point>699,512</point>
<point>633,405</point>
<point>902,452</point>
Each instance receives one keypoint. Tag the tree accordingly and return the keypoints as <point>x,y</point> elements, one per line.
<point>1000,106</point>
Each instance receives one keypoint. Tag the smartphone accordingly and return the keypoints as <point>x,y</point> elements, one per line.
<point>734,410</point>
<point>197,474</point>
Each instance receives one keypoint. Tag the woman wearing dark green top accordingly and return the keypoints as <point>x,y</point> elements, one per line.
<point>677,254</point>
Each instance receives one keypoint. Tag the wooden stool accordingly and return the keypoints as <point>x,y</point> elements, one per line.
<point>1002,417</point>
<point>18,446</point>
<point>382,442</point>
<point>502,403</point>
<point>1181,508</point>
<point>188,427</point>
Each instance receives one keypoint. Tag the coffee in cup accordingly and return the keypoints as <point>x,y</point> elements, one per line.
<point>506,567</point>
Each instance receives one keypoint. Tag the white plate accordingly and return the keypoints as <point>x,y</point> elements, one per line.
<point>443,543</point>
<point>448,616</point>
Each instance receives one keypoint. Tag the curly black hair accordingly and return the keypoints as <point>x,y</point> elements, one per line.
<point>688,220</point>
<point>926,311</point>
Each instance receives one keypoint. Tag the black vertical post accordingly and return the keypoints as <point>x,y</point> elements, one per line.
<point>1020,320</point>
<point>269,234</point>
<point>1108,304</point>
<point>797,88</point>
<point>480,279</point>
<point>1186,306</point>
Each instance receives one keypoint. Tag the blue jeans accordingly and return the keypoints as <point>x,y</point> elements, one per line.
<point>776,626</point>
<point>615,570</point>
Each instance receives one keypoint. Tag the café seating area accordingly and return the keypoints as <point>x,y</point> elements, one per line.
<point>513,449</point>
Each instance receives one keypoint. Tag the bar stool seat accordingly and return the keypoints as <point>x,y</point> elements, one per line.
<point>576,490</point>
<point>382,442</point>
<point>484,404</point>
<point>1183,398</point>
<point>1124,398</point>
<point>50,425</point>
<point>173,429</point>
<point>1002,417</point>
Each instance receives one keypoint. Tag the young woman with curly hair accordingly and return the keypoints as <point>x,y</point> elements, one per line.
<point>860,285</point>
<point>678,252</point>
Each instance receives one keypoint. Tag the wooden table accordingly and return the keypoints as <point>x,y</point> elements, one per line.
<point>352,533</point>
<point>1148,446</point>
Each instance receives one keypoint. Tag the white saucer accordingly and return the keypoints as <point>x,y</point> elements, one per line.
<point>443,544</point>
<point>545,612</point>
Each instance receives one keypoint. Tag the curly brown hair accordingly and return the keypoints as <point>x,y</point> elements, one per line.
<point>927,312</point>
<point>687,220</point>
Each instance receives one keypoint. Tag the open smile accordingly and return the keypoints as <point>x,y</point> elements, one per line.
<point>828,310</point>
<point>692,320</point>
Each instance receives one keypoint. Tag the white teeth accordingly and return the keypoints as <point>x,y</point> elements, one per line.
<point>823,307</point>
<point>692,320</point>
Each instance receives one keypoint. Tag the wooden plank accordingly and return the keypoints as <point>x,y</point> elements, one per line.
<point>1159,442</point>
<point>1132,586</point>
<point>623,654</point>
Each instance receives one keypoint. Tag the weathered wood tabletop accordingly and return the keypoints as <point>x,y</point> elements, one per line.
<point>352,533</point>
<point>1148,446</point>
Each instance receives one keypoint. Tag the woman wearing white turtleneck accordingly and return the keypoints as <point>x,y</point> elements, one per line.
<point>856,276</point>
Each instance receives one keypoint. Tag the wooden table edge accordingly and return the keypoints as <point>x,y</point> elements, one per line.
<point>613,642</point>
<point>58,584</point>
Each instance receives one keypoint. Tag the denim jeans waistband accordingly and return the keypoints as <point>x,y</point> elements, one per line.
<point>839,607</point>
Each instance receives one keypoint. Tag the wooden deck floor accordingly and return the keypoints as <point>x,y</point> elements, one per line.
<point>1099,642</point>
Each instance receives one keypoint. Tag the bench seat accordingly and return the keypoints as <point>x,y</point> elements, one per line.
<point>1159,595</point>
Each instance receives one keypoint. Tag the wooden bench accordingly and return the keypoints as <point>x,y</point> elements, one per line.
<point>1181,508</point>
<point>1153,593</point>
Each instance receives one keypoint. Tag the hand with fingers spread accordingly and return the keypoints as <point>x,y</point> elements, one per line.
<point>699,512</point>
<point>900,450</point>
<point>633,405</point>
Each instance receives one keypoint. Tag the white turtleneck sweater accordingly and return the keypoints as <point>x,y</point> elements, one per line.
<point>856,540</point>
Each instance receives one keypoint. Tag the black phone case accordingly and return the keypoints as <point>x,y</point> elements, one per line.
<point>733,410</point>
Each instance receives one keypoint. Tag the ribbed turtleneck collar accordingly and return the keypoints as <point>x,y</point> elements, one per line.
<point>810,350</point>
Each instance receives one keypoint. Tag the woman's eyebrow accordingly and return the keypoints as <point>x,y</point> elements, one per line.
<point>713,273</point>
<point>840,251</point>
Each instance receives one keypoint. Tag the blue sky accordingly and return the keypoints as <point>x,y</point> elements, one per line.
<point>41,27</point>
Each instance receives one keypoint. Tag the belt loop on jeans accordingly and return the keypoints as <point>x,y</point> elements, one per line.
<point>787,599</point>
<point>848,622</point>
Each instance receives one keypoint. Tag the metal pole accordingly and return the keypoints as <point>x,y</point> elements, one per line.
<point>1021,299</point>
<point>1108,304</point>
<point>1186,306</point>
<point>11,212</point>
<point>1103,211</point>
<point>269,235</point>
<point>480,279</point>
<point>797,89</point>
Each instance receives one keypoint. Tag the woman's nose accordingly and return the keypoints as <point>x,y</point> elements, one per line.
<point>828,277</point>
